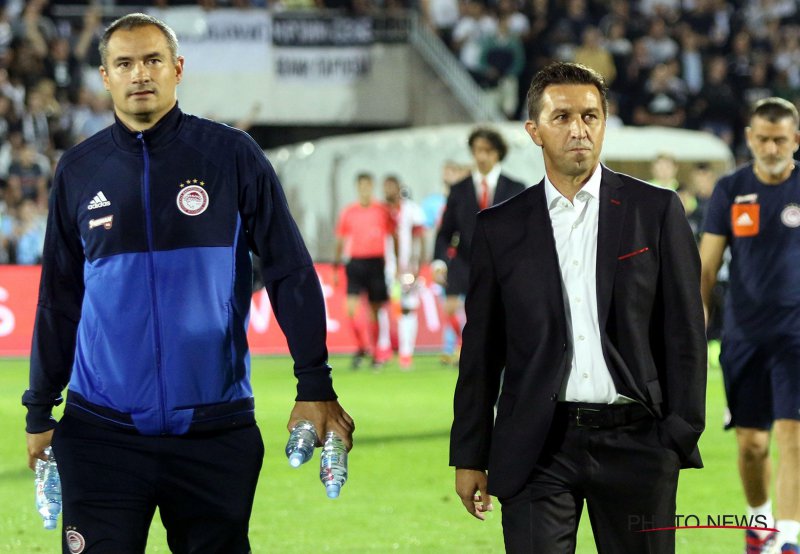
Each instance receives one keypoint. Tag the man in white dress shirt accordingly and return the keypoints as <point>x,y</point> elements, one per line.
<point>585,327</point>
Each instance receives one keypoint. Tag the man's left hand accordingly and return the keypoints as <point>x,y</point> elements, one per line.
<point>326,416</point>
<point>37,442</point>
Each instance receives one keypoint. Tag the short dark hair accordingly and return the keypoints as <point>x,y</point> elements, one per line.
<point>364,176</point>
<point>563,73</point>
<point>493,137</point>
<point>134,21</point>
<point>393,178</point>
<point>773,109</point>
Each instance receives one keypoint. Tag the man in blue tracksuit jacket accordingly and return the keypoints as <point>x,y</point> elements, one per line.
<point>143,310</point>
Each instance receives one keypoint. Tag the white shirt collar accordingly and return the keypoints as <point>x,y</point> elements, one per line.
<point>491,177</point>
<point>592,187</point>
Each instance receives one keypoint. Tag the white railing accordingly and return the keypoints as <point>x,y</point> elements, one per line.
<point>453,73</point>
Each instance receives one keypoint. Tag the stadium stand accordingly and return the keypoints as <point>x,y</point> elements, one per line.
<point>694,65</point>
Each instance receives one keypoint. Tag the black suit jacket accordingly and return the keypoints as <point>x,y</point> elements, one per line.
<point>460,215</point>
<point>650,315</point>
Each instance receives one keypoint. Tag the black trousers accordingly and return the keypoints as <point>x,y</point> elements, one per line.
<point>626,477</point>
<point>112,482</point>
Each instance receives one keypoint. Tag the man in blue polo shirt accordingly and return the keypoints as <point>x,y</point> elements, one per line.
<point>756,212</point>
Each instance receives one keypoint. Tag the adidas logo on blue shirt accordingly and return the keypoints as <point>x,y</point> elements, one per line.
<point>99,201</point>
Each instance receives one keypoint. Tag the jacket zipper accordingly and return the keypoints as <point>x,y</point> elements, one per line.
<point>152,281</point>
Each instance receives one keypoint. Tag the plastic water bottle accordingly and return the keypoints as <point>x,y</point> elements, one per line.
<point>302,440</point>
<point>48,490</point>
<point>333,464</point>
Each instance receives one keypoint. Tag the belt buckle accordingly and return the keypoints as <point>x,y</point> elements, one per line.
<point>588,412</point>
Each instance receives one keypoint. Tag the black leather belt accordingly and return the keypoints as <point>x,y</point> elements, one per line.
<point>601,416</point>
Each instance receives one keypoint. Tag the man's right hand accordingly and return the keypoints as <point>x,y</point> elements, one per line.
<point>471,488</point>
<point>325,416</point>
<point>37,442</point>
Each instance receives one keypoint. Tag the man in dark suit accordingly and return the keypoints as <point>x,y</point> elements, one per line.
<point>584,296</point>
<point>484,187</point>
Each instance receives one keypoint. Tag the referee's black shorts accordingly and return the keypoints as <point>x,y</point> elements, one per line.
<point>367,274</point>
<point>112,482</point>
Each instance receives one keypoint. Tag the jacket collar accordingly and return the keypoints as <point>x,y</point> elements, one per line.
<point>163,132</point>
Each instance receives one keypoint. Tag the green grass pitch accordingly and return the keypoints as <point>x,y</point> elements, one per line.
<point>399,496</point>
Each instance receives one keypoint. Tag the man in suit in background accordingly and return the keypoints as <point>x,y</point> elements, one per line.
<point>484,187</point>
<point>584,294</point>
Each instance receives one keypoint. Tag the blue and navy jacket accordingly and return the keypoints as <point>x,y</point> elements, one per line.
<point>147,275</point>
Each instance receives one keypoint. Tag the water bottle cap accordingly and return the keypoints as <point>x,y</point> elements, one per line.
<point>332,489</point>
<point>296,459</point>
<point>50,524</point>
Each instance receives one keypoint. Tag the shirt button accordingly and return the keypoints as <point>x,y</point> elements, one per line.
<point>581,337</point>
<point>578,299</point>
<point>554,397</point>
<point>585,375</point>
<point>575,262</point>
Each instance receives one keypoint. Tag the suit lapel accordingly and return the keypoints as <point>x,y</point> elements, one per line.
<point>500,192</point>
<point>472,205</point>
<point>543,244</point>
<point>612,216</point>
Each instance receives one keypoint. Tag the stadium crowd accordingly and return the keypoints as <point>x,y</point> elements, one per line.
<point>696,64</point>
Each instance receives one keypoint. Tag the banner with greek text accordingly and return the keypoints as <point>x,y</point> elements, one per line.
<point>340,64</point>
<point>321,47</point>
<point>253,66</point>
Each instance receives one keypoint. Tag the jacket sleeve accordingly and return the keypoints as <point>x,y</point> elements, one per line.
<point>289,275</point>
<point>483,357</point>
<point>57,313</point>
<point>685,349</point>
